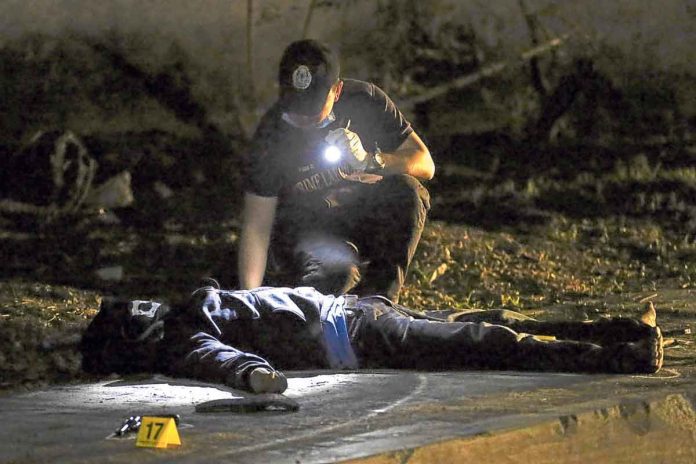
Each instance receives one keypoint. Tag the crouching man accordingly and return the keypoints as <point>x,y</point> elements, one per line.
<point>240,338</point>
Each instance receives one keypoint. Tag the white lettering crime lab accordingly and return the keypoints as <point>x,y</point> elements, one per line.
<point>321,180</point>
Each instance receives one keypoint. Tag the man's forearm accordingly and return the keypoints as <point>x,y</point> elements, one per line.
<point>412,158</point>
<point>257,222</point>
<point>253,253</point>
<point>213,361</point>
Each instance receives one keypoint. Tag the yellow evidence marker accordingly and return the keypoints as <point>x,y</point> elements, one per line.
<point>157,432</point>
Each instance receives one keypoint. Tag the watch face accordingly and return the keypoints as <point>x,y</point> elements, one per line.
<point>379,161</point>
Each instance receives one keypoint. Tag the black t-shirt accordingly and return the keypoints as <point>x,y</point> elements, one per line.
<point>287,162</point>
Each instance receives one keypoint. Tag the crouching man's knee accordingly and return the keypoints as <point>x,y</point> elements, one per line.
<point>407,190</point>
<point>329,264</point>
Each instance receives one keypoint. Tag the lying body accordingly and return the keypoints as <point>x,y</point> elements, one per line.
<point>240,338</point>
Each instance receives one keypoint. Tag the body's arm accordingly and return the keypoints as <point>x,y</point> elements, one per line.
<point>411,157</point>
<point>211,360</point>
<point>257,222</point>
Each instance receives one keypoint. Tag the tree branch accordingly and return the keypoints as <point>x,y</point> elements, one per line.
<point>532,25</point>
<point>486,71</point>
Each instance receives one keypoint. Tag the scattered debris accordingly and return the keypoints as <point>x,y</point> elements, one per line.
<point>49,176</point>
<point>110,273</point>
<point>116,192</point>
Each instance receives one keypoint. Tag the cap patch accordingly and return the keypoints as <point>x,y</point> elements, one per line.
<point>301,77</point>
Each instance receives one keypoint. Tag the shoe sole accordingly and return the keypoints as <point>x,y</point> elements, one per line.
<point>649,354</point>
<point>262,380</point>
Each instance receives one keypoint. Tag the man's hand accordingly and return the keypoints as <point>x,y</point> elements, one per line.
<point>350,145</point>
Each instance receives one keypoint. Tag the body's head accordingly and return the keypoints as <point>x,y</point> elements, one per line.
<point>309,81</point>
<point>124,337</point>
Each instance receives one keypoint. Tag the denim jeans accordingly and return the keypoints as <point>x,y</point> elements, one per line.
<point>385,336</point>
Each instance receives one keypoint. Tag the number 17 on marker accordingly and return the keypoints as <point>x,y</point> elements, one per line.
<point>157,432</point>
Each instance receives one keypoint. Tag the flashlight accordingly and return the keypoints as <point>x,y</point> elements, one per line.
<point>332,154</point>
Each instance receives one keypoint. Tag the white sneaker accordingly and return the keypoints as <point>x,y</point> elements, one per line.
<point>264,380</point>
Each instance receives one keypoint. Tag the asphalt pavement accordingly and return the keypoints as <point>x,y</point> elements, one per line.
<point>370,416</point>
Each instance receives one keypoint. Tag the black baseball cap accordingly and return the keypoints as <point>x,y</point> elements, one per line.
<point>306,73</point>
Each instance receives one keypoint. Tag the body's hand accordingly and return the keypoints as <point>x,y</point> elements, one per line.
<point>351,147</point>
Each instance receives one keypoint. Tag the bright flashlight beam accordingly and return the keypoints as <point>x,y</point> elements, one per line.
<point>332,154</point>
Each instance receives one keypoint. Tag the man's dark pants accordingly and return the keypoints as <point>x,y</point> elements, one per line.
<point>383,335</point>
<point>365,245</point>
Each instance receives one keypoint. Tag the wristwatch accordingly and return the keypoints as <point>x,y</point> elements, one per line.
<point>375,161</point>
